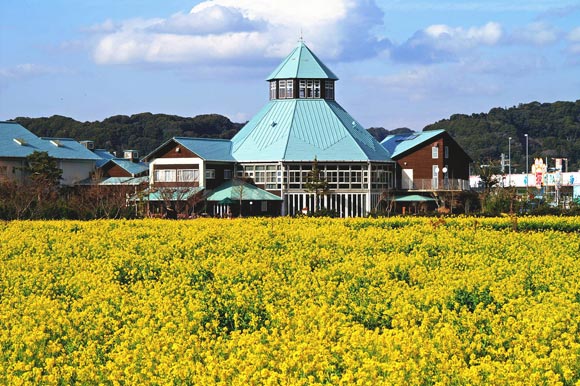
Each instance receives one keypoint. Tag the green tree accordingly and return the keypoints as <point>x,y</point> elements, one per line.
<point>316,183</point>
<point>42,168</point>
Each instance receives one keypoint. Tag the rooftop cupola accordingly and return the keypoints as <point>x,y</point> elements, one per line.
<point>302,76</point>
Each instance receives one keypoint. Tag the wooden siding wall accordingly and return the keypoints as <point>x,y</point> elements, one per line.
<point>219,174</point>
<point>173,150</point>
<point>421,160</point>
<point>115,171</point>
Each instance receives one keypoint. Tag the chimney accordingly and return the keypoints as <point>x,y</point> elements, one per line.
<point>88,144</point>
<point>131,155</point>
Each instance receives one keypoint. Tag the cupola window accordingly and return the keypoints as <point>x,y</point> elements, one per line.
<point>329,89</point>
<point>285,89</point>
<point>309,89</point>
<point>273,90</point>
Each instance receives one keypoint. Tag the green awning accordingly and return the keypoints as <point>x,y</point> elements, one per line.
<point>170,194</point>
<point>413,198</point>
<point>235,190</point>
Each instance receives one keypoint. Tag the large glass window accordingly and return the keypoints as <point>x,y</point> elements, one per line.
<point>165,175</point>
<point>187,175</point>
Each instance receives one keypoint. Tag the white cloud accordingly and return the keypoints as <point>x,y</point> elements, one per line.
<point>442,43</point>
<point>574,35</point>
<point>574,45</point>
<point>217,31</point>
<point>538,33</point>
<point>28,70</point>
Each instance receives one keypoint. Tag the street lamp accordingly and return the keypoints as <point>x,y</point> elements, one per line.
<point>510,161</point>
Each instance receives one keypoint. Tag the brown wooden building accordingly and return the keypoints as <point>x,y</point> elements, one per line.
<point>430,161</point>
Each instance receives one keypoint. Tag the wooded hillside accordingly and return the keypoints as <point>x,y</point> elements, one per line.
<point>553,129</point>
<point>142,132</point>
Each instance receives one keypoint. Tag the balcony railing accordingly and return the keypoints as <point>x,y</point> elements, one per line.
<point>430,184</point>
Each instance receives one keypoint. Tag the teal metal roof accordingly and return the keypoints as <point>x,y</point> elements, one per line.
<point>302,129</point>
<point>399,144</point>
<point>17,142</point>
<point>209,149</point>
<point>171,194</point>
<point>133,168</point>
<point>104,156</point>
<point>303,64</point>
<point>125,181</point>
<point>413,198</point>
<point>233,188</point>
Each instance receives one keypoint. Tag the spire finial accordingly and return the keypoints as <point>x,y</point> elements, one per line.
<point>301,39</point>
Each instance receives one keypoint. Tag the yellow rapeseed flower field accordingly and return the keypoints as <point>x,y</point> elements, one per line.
<point>291,302</point>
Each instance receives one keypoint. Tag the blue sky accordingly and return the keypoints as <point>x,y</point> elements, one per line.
<point>401,63</point>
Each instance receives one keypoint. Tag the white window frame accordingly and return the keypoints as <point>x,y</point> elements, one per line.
<point>435,152</point>
<point>165,175</point>
<point>187,175</point>
<point>289,89</point>
<point>302,89</point>
<point>316,90</point>
<point>210,174</point>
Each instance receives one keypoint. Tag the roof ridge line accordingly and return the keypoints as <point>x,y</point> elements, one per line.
<point>330,103</point>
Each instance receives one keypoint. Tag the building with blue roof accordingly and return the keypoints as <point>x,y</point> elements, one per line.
<point>429,161</point>
<point>16,143</point>
<point>302,122</point>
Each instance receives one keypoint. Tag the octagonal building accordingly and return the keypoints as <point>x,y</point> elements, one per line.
<point>301,126</point>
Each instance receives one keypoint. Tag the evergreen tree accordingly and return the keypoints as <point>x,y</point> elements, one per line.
<point>316,183</point>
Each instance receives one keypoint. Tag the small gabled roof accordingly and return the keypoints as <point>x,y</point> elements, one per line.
<point>303,64</point>
<point>302,129</point>
<point>209,149</point>
<point>233,188</point>
<point>104,156</point>
<point>401,143</point>
<point>169,194</point>
<point>133,168</point>
<point>18,142</point>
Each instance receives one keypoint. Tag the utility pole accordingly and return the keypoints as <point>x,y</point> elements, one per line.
<point>510,161</point>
